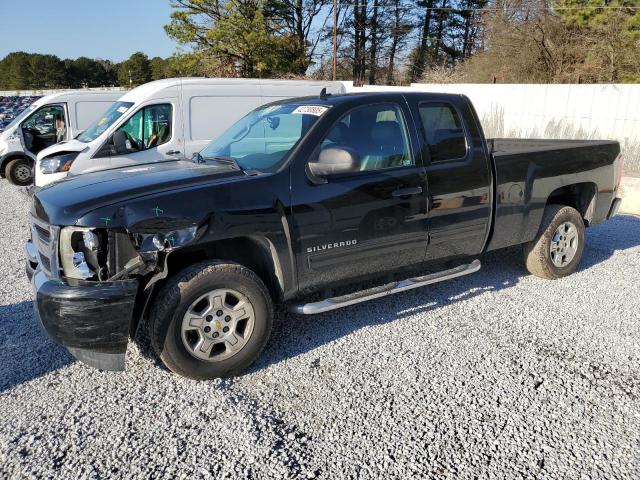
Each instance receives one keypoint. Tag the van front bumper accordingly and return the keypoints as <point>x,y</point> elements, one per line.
<point>91,320</point>
<point>42,179</point>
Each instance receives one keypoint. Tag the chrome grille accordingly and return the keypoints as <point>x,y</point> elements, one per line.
<point>45,238</point>
<point>43,233</point>
<point>45,262</point>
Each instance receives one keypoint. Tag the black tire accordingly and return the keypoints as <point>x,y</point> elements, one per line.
<point>537,253</point>
<point>15,172</point>
<point>181,291</point>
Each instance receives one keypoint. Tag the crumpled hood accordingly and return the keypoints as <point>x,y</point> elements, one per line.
<point>65,146</point>
<point>67,201</point>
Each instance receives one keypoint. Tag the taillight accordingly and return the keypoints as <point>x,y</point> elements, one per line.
<point>618,165</point>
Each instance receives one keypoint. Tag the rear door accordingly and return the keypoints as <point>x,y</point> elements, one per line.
<point>458,173</point>
<point>366,222</point>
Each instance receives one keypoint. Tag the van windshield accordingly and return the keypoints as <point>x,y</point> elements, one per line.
<point>263,138</point>
<point>24,114</point>
<point>107,119</point>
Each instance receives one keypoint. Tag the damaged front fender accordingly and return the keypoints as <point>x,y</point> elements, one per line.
<point>142,234</point>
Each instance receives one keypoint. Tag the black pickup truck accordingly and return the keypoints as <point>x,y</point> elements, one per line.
<point>314,203</point>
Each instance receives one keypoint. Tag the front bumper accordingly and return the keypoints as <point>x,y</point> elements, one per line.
<point>91,320</point>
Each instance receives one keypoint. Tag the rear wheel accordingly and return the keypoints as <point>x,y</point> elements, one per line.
<point>212,320</point>
<point>558,247</point>
<point>18,172</point>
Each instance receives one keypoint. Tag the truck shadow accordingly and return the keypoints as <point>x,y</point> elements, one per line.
<point>294,335</point>
<point>25,350</point>
<point>27,353</point>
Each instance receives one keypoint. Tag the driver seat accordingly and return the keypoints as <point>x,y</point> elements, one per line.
<point>386,147</point>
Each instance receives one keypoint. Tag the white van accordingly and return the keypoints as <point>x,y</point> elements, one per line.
<point>47,121</point>
<point>164,120</point>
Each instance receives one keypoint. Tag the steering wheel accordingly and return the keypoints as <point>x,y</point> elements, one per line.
<point>134,143</point>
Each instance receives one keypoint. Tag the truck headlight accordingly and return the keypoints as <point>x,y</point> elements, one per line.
<point>82,253</point>
<point>157,242</point>
<point>59,163</point>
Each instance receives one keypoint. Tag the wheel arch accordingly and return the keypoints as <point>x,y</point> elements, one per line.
<point>13,156</point>
<point>257,254</point>
<point>581,196</point>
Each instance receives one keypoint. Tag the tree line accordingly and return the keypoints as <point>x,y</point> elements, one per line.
<point>402,41</point>
<point>378,42</point>
<point>33,71</point>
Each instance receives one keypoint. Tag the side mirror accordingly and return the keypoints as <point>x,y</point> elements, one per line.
<point>334,161</point>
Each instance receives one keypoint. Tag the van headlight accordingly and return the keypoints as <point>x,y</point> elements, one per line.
<point>83,253</point>
<point>59,163</point>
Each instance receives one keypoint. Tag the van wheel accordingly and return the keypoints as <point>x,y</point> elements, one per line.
<point>557,250</point>
<point>211,320</point>
<point>18,172</point>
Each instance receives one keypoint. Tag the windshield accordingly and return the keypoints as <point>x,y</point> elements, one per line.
<point>109,117</point>
<point>262,139</point>
<point>26,112</point>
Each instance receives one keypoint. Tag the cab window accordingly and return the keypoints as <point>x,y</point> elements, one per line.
<point>377,133</point>
<point>443,132</point>
<point>149,127</point>
<point>48,120</point>
<point>45,127</point>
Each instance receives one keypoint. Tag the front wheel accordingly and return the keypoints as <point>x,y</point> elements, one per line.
<point>18,172</point>
<point>211,320</point>
<point>558,247</point>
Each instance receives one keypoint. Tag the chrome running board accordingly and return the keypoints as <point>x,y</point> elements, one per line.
<point>384,290</point>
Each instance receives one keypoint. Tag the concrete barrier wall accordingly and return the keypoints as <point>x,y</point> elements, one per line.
<point>29,93</point>
<point>608,111</point>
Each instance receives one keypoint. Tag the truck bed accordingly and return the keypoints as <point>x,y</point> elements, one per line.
<point>530,145</point>
<point>530,171</point>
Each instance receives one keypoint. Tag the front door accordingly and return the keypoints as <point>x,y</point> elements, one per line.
<point>149,135</point>
<point>365,222</point>
<point>44,127</point>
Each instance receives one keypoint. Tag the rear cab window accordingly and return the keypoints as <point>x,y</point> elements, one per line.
<point>443,131</point>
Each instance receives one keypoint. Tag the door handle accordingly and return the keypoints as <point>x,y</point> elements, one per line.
<point>407,191</point>
<point>174,152</point>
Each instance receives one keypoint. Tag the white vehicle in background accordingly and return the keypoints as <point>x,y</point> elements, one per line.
<point>47,121</point>
<point>166,120</point>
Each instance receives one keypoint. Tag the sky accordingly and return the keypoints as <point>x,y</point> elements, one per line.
<point>106,29</point>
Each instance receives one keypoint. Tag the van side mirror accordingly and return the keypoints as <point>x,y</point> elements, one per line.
<point>334,161</point>
<point>120,142</point>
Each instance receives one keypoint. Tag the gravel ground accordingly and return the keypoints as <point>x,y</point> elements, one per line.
<point>495,375</point>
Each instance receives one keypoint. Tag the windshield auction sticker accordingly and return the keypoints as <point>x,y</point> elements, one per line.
<point>316,110</point>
